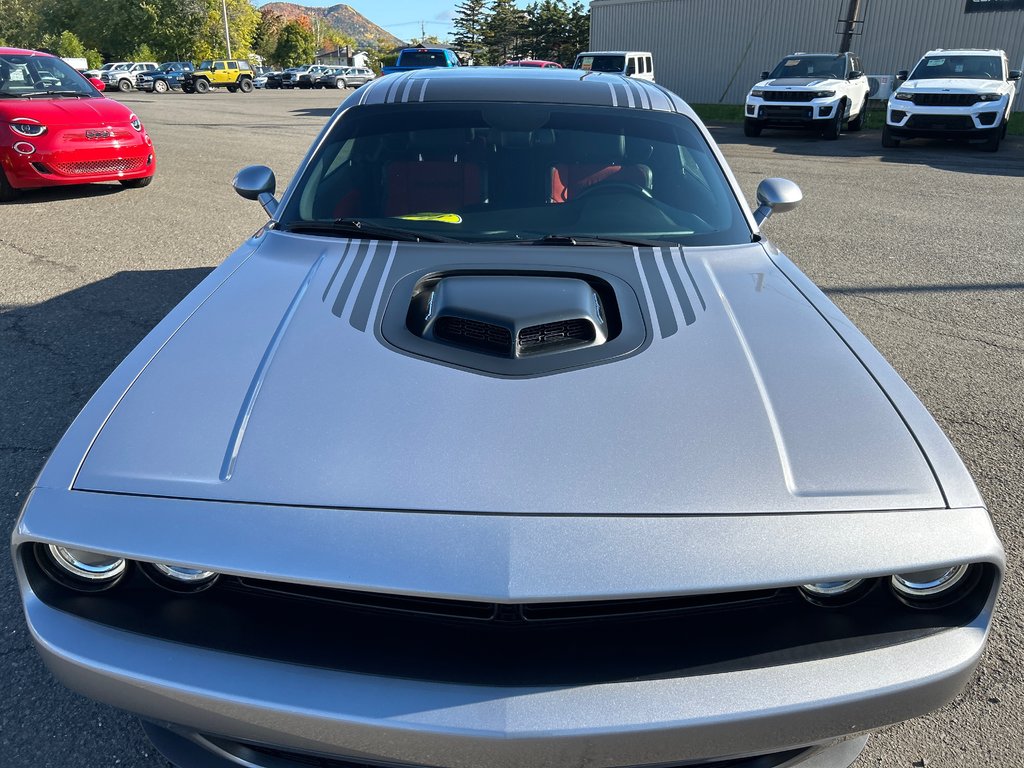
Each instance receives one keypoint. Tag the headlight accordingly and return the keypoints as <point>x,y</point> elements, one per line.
<point>28,129</point>
<point>757,94</point>
<point>179,578</point>
<point>81,569</point>
<point>929,584</point>
<point>833,593</point>
<point>903,96</point>
<point>136,123</point>
<point>824,94</point>
<point>990,96</point>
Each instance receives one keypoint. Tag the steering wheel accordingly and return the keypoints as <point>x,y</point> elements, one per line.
<point>606,187</point>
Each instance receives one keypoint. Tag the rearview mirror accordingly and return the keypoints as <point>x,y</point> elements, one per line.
<point>765,74</point>
<point>776,196</point>
<point>854,74</point>
<point>902,75</point>
<point>257,182</point>
<point>1014,74</point>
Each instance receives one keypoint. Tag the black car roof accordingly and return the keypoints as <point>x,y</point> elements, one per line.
<point>520,84</point>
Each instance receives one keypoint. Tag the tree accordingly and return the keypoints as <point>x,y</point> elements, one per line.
<point>19,23</point>
<point>505,31</point>
<point>243,21</point>
<point>268,30</point>
<point>470,24</point>
<point>295,45</point>
<point>69,46</point>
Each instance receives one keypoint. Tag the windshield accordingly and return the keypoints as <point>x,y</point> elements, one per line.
<point>811,66</point>
<point>205,64</point>
<point>25,75</point>
<point>423,59</point>
<point>600,63</point>
<point>519,172</point>
<point>960,67</point>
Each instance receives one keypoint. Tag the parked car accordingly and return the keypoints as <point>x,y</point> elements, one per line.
<point>168,76</point>
<point>290,77</point>
<point>815,91</point>
<point>275,80</point>
<point>95,73</point>
<point>636,64</point>
<point>422,58</point>
<point>532,63</point>
<point>122,78</point>
<point>345,77</point>
<point>308,78</point>
<point>58,129</point>
<point>953,94</point>
<point>234,75</point>
<point>513,465</point>
<point>262,75</point>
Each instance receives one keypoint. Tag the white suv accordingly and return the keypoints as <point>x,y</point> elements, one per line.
<point>122,78</point>
<point>964,94</point>
<point>819,91</point>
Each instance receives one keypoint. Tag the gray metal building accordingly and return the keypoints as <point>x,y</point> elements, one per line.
<point>712,51</point>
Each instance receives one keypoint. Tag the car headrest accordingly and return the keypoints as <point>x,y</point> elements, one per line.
<point>439,140</point>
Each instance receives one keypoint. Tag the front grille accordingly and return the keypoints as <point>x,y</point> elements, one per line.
<point>787,113</point>
<point>945,99</point>
<point>474,334</point>
<point>564,333</point>
<point>788,95</point>
<point>114,165</point>
<point>941,122</point>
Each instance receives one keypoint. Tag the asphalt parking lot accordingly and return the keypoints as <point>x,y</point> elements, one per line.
<point>920,246</point>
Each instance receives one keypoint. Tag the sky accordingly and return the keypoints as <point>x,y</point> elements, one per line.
<point>402,18</point>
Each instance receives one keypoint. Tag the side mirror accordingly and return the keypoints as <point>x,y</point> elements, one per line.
<point>854,74</point>
<point>257,182</point>
<point>765,75</point>
<point>1014,74</point>
<point>776,196</point>
<point>902,75</point>
<point>97,83</point>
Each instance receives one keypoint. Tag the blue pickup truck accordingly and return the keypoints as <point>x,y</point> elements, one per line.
<point>422,58</point>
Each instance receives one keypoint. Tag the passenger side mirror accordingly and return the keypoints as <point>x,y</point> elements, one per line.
<point>854,74</point>
<point>776,196</point>
<point>902,75</point>
<point>97,83</point>
<point>765,75</point>
<point>1014,74</point>
<point>257,182</point>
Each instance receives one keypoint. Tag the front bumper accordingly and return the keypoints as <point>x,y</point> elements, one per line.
<point>904,118</point>
<point>811,114</point>
<point>95,161</point>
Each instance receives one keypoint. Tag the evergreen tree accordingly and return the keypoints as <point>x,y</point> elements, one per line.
<point>505,32</point>
<point>296,45</point>
<point>470,24</point>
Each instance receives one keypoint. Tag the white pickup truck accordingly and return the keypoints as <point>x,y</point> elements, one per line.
<point>122,78</point>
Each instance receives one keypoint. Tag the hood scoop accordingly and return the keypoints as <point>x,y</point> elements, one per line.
<point>510,316</point>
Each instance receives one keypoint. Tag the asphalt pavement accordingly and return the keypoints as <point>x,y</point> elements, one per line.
<point>921,246</point>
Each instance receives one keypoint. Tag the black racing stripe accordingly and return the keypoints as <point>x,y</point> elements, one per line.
<point>638,94</point>
<point>689,316</point>
<point>682,255</point>
<point>350,278</point>
<point>346,248</point>
<point>624,99</point>
<point>659,295</point>
<point>368,290</point>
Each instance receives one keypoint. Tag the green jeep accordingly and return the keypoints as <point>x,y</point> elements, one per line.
<point>233,75</point>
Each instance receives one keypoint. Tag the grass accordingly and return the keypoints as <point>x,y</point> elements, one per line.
<point>733,113</point>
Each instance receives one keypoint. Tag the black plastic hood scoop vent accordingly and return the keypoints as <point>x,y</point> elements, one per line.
<point>509,316</point>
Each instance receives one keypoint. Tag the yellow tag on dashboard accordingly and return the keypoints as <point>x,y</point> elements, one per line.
<point>447,218</point>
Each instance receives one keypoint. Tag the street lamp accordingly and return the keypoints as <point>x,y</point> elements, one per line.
<point>227,35</point>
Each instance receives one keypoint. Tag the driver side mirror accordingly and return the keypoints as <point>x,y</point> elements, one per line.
<point>854,74</point>
<point>902,75</point>
<point>97,83</point>
<point>776,196</point>
<point>765,75</point>
<point>1014,74</point>
<point>257,182</point>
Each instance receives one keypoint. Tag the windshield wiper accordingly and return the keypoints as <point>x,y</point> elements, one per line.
<point>357,228</point>
<point>30,94</point>
<point>597,240</point>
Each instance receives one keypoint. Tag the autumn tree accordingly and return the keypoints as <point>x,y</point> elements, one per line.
<point>295,45</point>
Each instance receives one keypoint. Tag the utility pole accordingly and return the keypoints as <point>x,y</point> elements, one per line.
<point>849,24</point>
<point>227,34</point>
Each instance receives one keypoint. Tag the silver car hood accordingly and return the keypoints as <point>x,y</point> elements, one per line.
<point>272,392</point>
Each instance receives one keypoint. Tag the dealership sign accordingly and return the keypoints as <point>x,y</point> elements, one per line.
<point>979,6</point>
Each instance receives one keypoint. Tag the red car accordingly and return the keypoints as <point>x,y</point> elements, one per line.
<point>57,128</point>
<point>533,63</point>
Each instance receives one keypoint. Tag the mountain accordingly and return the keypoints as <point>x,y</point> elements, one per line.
<point>342,18</point>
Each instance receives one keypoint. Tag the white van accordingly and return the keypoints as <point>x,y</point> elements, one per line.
<point>638,64</point>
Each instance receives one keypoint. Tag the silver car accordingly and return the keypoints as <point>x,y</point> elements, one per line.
<point>508,441</point>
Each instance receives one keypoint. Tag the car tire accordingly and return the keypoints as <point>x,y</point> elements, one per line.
<point>202,85</point>
<point>991,144</point>
<point>124,85</point>
<point>857,123</point>
<point>160,86</point>
<point>232,88</point>
<point>834,127</point>
<point>7,192</point>
<point>245,85</point>
<point>340,84</point>
<point>888,140</point>
<point>752,128</point>
<point>137,183</point>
